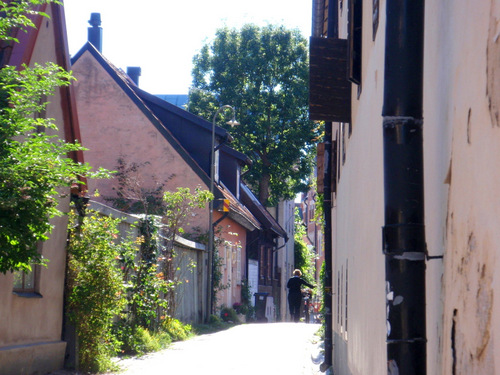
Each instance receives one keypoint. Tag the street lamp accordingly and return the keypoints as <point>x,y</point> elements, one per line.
<point>232,122</point>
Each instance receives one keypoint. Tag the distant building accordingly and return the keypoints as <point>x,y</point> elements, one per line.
<point>177,100</point>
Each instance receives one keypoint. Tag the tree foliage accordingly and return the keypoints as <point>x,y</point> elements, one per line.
<point>34,161</point>
<point>95,289</point>
<point>178,205</point>
<point>16,15</point>
<point>145,285</point>
<point>263,73</point>
<point>303,256</point>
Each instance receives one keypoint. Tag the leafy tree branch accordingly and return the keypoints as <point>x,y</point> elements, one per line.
<point>263,73</point>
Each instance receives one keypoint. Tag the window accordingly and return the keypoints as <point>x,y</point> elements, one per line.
<point>375,17</point>
<point>238,265</point>
<point>338,298</point>
<point>344,143</point>
<point>27,282</point>
<point>346,295</point>
<point>342,300</point>
<point>262,263</point>
<point>355,38</point>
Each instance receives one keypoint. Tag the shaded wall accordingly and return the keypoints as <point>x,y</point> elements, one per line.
<point>462,204</point>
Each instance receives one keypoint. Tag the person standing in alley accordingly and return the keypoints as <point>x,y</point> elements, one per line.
<point>295,293</point>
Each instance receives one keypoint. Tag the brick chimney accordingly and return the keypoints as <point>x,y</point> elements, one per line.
<point>134,72</point>
<point>95,32</point>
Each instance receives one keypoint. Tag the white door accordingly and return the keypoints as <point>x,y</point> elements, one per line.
<point>253,278</point>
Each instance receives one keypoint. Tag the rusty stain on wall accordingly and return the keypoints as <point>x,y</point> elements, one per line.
<point>471,344</point>
<point>493,64</point>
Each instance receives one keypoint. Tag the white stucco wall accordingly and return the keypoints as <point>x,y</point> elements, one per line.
<point>462,204</point>
<point>359,219</point>
<point>463,159</point>
<point>31,324</point>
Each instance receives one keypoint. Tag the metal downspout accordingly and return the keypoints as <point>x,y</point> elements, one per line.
<point>404,243</point>
<point>328,282</point>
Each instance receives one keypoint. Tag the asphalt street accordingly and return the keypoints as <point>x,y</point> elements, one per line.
<point>263,349</point>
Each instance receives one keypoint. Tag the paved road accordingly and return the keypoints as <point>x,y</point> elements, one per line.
<point>257,349</point>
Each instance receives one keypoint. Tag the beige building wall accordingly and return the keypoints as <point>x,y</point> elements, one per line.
<point>462,204</point>
<point>112,126</point>
<point>463,170</point>
<point>31,324</point>
<point>359,311</point>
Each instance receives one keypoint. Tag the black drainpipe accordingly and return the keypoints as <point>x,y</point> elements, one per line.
<point>328,238</point>
<point>404,232</point>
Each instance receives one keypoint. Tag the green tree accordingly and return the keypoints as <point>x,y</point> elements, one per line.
<point>34,162</point>
<point>16,14</point>
<point>263,73</point>
<point>178,205</point>
<point>145,285</point>
<point>303,256</point>
<point>95,288</point>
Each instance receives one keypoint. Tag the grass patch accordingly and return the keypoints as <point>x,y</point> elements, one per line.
<point>215,324</point>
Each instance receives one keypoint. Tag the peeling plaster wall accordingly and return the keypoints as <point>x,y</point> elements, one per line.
<point>462,161</point>
<point>493,66</point>
<point>462,199</point>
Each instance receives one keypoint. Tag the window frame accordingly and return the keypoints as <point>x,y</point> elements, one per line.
<point>355,40</point>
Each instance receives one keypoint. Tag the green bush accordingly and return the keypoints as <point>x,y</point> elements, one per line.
<point>94,287</point>
<point>176,329</point>
<point>214,319</point>
<point>139,340</point>
<point>229,314</point>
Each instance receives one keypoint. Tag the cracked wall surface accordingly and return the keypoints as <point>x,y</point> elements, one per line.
<point>467,112</point>
<point>493,67</point>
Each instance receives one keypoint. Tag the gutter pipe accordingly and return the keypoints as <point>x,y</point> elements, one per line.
<point>328,281</point>
<point>404,242</point>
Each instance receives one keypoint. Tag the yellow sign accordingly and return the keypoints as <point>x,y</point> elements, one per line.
<point>225,205</point>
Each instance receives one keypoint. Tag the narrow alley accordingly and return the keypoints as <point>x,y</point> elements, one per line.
<point>264,349</point>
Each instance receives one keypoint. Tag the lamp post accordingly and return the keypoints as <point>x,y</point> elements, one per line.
<point>233,122</point>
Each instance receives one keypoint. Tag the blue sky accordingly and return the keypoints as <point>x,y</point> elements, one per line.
<point>162,36</point>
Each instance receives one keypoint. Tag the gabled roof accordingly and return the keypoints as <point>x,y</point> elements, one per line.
<point>260,212</point>
<point>192,132</point>
<point>240,213</point>
<point>242,158</point>
<point>179,112</point>
<point>129,88</point>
